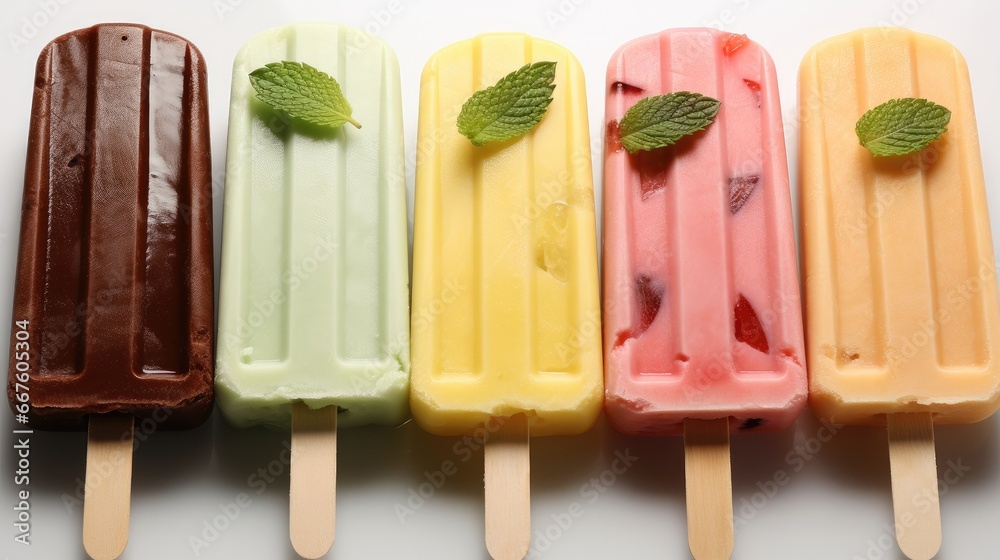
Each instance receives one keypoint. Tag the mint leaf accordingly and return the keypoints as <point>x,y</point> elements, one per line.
<point>510,108</point>
<point>902,126</point>
<point>662,120</point>
<point>302,92</point>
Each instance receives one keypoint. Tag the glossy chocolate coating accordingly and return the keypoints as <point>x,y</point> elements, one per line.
<point>114,271</point>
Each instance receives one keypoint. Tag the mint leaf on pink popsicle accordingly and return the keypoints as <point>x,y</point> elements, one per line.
<point>662,120</point>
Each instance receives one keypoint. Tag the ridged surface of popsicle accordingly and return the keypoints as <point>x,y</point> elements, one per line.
<point>899,272</point>
<point>313,298</point>
<point>701,298</point>
<point>505,301</point>
<point>114,279</point>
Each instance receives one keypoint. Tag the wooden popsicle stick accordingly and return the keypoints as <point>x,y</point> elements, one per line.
<point>108,489</point>
<point>508,489</point>
<point>915,500</point>
<point>313,472</point>
<point>709,482</point>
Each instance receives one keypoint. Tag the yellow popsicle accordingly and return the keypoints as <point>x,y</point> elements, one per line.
<point>506,315</point>
<point>902,309</point>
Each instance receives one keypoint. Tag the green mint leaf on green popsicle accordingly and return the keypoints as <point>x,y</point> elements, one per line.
<point>510,108</point>
<point>902,126</point>
<point>302,92</point>
<point>662,120</point>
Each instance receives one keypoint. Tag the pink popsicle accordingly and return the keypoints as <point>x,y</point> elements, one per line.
<point>701,299</point>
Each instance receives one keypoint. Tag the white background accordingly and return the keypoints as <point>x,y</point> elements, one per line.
<point>835,506</point>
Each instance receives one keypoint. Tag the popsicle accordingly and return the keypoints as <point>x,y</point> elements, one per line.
<point>313,314</point>
<point>113,308</point>
<point>506,317</point>
<point>902,310</point>
<point>702,324</point>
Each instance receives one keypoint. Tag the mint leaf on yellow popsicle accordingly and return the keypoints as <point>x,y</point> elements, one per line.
<point>302,92</point>
<point>510,108</point>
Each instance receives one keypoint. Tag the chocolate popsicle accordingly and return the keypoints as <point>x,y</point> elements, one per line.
<point>113,308</point>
